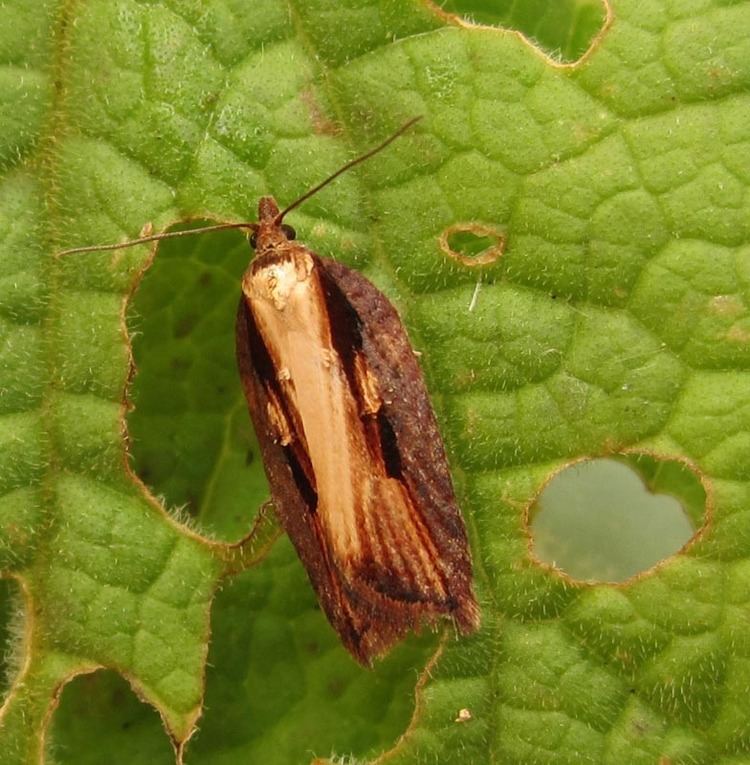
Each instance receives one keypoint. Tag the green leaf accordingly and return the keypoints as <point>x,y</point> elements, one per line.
<point>614,158</point>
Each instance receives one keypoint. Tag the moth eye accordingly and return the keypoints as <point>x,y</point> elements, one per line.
<point>253,240</point>
<point>289,232</point>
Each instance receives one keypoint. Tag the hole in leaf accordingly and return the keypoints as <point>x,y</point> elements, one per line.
<point>190,432</point>
<point>100,719</point>
<point>472,244</point>
<point>563,29</point>
<point>610,519</point>
<point>468,244</point>
<point>295,676</point>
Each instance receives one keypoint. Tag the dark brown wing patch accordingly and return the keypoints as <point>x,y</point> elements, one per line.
<point>409,436</point>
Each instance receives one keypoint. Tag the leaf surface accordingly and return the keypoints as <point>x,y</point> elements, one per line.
<point>613,160</point>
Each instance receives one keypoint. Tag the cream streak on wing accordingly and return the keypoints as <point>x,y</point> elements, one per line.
<point>288,304</point>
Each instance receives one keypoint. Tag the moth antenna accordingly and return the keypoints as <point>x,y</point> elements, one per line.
<point>251,226</point>
<point>156,238</point>
<point>350,164</point>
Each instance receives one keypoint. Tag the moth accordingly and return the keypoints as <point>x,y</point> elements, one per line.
<point>351,448</point>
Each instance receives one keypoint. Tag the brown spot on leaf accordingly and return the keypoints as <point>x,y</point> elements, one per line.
<point>726,305</point>
<point>322,125</point>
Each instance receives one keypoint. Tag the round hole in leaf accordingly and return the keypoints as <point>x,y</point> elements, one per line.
<point>468,244</point>
<point>472,244</point>
<point>611,519</point>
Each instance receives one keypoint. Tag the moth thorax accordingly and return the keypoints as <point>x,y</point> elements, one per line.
<point>276,278</point>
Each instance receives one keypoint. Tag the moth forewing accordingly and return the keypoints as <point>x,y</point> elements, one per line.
<point>355,463</point>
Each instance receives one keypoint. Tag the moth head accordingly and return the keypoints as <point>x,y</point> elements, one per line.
<point>287,230</point>
<point>269,233</point>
